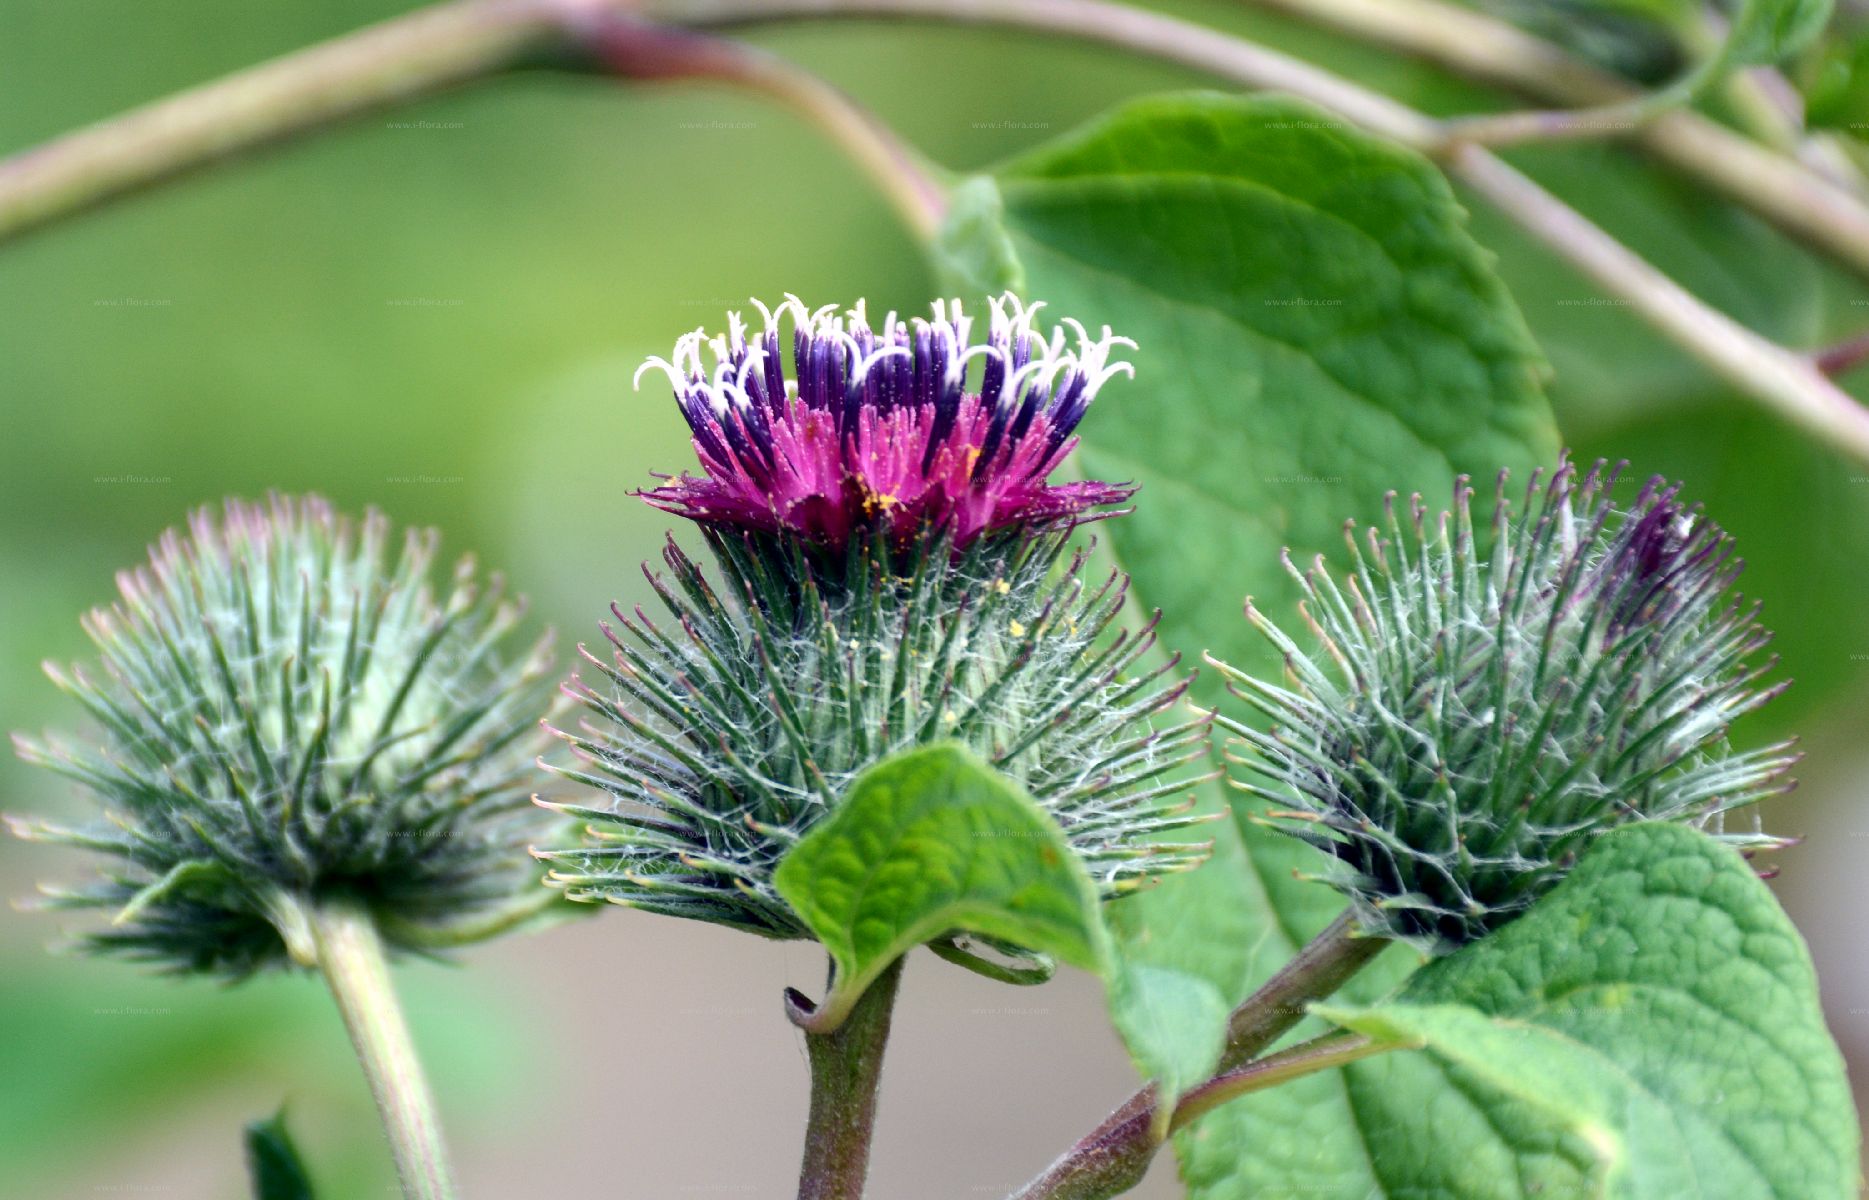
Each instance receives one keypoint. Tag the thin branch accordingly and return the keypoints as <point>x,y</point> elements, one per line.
<point>1558,124</point>
<point>381,65</point>
<point>422,54</point>
<point>1319,1054</point>
<point>1807,204</point>
<point>638,50</point>
<point>1784,381</point>
<point>1113,1157</point>
<point>1167,38</point>
<point>1466,42</point>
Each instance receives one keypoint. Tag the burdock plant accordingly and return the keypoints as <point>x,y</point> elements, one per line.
<point>892,573</point>
<point>307,753</point>
<point>1476,713</point>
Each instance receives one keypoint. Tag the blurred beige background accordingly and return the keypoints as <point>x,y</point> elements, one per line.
<point>438,312</point>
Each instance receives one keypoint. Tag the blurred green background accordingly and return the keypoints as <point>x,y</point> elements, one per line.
<point>437,311</point>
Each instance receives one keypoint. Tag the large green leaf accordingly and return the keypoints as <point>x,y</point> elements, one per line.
<point>1650,1030</point>
<point>1315,327</point>
<point>930,841</point>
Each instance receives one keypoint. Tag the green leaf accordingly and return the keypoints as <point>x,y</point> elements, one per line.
<point>1765,31</point>
<point>1835,82</point>
<point>929,841</point>
<point>273,1161</point>
<point>1652,1025</point>
<point>1314,327</point>
<point>972,244</point>
<point>1173,1022</point>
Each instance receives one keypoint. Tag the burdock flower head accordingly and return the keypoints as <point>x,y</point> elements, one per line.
<point>891,574</point>
<point>876,435</point>
<point>1476,715</point>
<point>288,711</point>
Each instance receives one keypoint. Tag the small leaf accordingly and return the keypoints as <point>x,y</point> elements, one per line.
<point>1174,1024</point>
<point>972,244</point>
<point>1654,1021</point>
<point>930,841</point>
<point>273,1161</point>
<point>1765,31</point>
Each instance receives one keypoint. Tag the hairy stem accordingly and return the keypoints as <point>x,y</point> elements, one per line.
<point>350,955</point>
<point>846,1071</point>
<point>1113,1157</point>
<point>1319,969</point>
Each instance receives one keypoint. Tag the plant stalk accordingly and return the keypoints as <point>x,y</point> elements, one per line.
<point>1112,1158</point>
<point>350,955</point>
<point>1808,201</point>
<point>1321,967</point>
<point>397,60</point>
<point>1782,380</point>
<point>637,50</point>
<point>846,1072</point>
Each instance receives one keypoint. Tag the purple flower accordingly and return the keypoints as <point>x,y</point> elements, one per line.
<point>876,432</point>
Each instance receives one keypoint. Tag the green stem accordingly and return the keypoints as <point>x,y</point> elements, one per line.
<point>1809,204</point>
<point>408,57</point>
<point>395,61</point>
<point>636,50</point>
<point>350,954</point>
<point>846,1071</point>
<point>1319,1054</point>
<point>1318,970</point>
<point>1113,1157</point>
<point>1782,380</point>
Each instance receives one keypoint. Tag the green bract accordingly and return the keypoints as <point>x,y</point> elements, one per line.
<point>288,710</point>
<point>722,740</point>
<point>1477,715</point>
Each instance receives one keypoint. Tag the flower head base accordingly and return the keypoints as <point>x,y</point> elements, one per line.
<point>716,744</point>
<point>288,711</point>
<point>1479,716</point>
<point>876,432</point>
